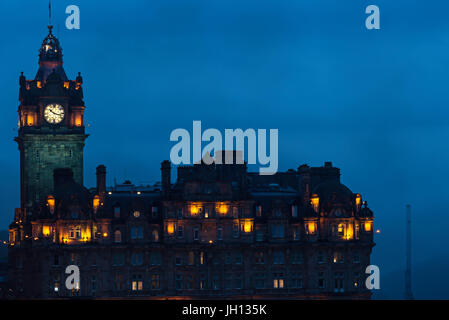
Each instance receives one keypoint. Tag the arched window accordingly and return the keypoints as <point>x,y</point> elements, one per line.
<point>117,236</point>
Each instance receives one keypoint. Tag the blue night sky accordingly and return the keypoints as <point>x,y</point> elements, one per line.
<point>374,102</point>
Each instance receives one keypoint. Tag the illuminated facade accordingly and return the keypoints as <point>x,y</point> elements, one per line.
<point>218,231</point>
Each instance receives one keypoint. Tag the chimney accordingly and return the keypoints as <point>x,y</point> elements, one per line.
<point>101,182</point>
<point>304,183</point>
<point>62,176</point>
<point>165,176</point>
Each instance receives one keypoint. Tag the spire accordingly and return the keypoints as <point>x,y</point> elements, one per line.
<point>49,12</point>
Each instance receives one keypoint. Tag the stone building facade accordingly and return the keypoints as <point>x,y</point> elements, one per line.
<point>218,231</point>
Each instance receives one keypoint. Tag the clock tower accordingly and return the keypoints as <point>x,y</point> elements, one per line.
<point>51,125</point>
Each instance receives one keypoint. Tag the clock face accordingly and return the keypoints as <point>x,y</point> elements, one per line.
<point>54,113</point>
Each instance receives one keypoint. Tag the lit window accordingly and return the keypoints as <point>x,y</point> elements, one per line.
<point>315,201</point>
<point>96,203</point>
<point>170,228</point>
<point>247,226</point>
<point>51,204</point>
<point>368,226</point>
<point>278,281</point>
<point>338,257</point>
<point>341,230</point>
<point>136,214</point>
<point>310,228</point>
<point>137,283</point>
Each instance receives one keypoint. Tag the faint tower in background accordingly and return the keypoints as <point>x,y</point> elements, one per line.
<point>408,259</point>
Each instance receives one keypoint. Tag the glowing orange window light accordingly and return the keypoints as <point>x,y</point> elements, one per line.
<point>46,231</point>
<point>349,232</point>
<point>311,227</point>
<point>96,203</point>
<point>51,203</point>
<point>222,208</point>
<point>315,200</point>
<point>368,226</point>
<point>358,200</point>
<point>194,209</point>
<point>78,120</point>
<point>170,227</point>
<point>248,226</point>
<point>39,84</point>
<point>30,119</point>
<point>66,84</point>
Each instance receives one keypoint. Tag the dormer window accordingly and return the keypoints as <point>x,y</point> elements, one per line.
<point>136,214</point>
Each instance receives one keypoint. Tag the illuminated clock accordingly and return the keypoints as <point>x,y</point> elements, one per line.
<point>54,113</point>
